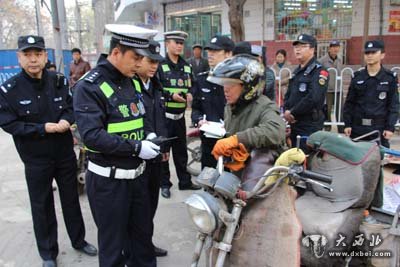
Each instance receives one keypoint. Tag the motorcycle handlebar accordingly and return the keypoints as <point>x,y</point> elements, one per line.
<point>317,176</point>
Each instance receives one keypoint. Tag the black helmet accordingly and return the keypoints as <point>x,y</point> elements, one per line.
<point>243,69</point>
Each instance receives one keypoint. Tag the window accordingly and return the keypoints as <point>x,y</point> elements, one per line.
<point>325,19</point>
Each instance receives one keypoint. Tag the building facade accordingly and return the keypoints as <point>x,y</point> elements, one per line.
<point>276,23</point>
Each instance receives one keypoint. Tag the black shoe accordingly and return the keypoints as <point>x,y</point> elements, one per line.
<point>191,186</point>
<point>159,252</point>
<point>49,263</point>
<point>165,192</point>
<point>88,249</point>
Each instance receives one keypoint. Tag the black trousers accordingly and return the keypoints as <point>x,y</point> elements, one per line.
<point>153,176</point>
<point>120,208</point>
<point>39,178</point>
<point>179,153</point>
<point>207,145</point>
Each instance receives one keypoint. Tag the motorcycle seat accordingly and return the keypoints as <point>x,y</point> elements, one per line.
<point>341,147</point>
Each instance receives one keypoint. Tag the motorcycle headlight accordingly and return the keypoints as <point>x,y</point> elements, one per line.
<point>203,209</point>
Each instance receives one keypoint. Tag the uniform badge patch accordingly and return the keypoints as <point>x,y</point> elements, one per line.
<point>303,87</point>
<point>141,107</point>
<point>321,81</point>
<point>173,82</point>
<point>134,109</point>
<point>124,110</point>
<point>382,95</point>
<point>180,82</point>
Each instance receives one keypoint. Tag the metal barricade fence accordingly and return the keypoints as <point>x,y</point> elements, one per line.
<point>339,92</point>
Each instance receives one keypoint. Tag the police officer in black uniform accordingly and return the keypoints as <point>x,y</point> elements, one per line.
<point>109,111</point>
<point>36,109</point>
<point>209,100</point>
<point>176,76</point>
<point>155,125</point>
<point>372,102</point>
<point>305,98</point>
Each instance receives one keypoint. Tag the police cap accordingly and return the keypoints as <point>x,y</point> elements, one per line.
<point>220,43</point>
<point>154,51</point>
<point>30,41</point>
<point>306,39</point>
<point>132,36</point>
<point>334,43</point>
<point>375,45</point>
<point>175,35</point>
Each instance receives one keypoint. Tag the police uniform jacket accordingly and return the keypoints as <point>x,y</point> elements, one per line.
<point>305,97</point>
<point>208,100</point>
<point>372,99</point>
<point>175,78</point>
<point>109,114</point>
<point>154,103</point>
<point>26,104</point>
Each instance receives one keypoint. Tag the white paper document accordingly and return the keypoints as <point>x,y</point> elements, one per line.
<point>213,129</point>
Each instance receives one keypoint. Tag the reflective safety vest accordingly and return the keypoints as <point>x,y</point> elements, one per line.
<point>126,117</point>
<point>176,82</point>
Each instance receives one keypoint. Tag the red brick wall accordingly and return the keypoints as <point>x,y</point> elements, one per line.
<point>392,49</point>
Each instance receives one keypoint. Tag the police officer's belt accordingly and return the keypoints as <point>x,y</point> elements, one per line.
<point>174,117</point>
<point>116,173</point>
<point>369,122</point>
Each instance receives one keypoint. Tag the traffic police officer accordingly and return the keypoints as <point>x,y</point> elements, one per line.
<point>304,100</point>
<point>36,108</point>
<point>372,102</point>
<point>154,124</point>
<point>109,112</point>
<point>177,79</point>
<point>209,100</point>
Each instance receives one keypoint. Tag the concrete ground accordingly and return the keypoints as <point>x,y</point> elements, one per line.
<point>173,228</point>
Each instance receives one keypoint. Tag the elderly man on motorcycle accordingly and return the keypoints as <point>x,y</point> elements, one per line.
<point>252,120</point>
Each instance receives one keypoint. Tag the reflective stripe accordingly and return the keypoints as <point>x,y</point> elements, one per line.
<point>175,105</point>
<point>176,90</point>
<point>125,126</point>
<point>107,89</point>
<point>165,68</point>
<point>187,69</point>
<point>138,88</point>
<point>91,150</point>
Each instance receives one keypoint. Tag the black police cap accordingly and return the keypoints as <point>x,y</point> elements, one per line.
<point>30,41</point>
<point>154,51</point>
<point>242,48</point>
<point>220,43</point>
<point>306,39</point>
<point>375,45</point>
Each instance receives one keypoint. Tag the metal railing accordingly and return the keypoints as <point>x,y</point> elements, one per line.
<point>340,91</point>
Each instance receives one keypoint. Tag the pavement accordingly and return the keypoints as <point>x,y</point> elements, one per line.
<point>173,228</point>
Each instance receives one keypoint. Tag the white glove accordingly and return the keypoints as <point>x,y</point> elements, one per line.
<point>149,150</point>
<point>151,136</point>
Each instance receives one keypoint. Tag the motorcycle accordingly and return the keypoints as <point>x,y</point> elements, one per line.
<point>244,221</point>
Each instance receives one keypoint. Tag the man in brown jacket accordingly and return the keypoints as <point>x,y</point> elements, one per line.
<point>78,66</point>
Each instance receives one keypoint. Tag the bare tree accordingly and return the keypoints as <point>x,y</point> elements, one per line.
<point>16,20</point>
<point>235,14</point>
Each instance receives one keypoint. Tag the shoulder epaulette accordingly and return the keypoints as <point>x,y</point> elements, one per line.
<point>391,73</point>
<point>9,84</point>
<point>92,76</point>
<point>61,80</point>
<point>311,67</point>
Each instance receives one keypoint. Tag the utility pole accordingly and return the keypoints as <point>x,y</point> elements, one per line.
<point>60,33</point>
<point>78,23</point>
<point>38,20</point>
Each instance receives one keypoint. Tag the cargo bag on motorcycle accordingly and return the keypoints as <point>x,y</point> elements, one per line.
<point>330,220</point>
